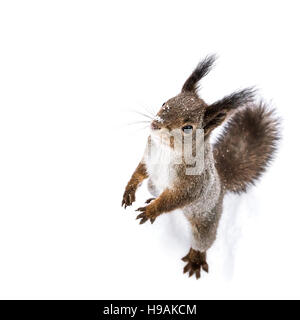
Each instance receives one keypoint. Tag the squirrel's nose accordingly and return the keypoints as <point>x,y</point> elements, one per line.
<point>155,126</point>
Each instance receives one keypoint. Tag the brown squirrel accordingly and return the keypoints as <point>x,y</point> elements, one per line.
<point>237,159</point>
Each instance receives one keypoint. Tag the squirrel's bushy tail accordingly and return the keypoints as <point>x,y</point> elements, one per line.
<point>246,147</point>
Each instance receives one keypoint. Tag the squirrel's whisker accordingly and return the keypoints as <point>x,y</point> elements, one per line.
<point>138,122</point>
<point>143,114</point>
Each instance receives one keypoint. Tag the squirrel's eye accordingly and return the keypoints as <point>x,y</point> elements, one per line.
<point>187,129</point>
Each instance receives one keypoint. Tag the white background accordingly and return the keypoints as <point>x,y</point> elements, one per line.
<point>71,72</point>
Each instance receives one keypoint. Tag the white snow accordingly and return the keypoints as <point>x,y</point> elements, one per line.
<point>158,119</point>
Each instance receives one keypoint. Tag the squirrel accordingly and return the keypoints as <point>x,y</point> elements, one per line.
<point>234,162</point>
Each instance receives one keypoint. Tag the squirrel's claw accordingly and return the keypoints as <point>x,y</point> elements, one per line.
<point>124,204</point>
<point>143,218</point>
<point>198,274</point>
<point>205,267</point>
<point>186,268</point>
<point>142,215</point>
<point>186,258</point>
<point>149,200</point>
<point>142,209</point>
<point>191,272</point>
<point>152,220</point>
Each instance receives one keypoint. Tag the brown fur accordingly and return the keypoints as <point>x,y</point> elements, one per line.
<point>246,147</point>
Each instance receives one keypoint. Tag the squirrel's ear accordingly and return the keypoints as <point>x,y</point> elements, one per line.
<point>209,126</point>
<point>201,70</point>
<point>217,112</point>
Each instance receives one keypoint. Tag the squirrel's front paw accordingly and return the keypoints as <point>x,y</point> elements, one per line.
<point>196,261</point>
<point>147,214</point>
<point>128,197</point>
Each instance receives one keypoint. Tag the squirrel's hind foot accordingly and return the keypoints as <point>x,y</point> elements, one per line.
<point>196,261</point>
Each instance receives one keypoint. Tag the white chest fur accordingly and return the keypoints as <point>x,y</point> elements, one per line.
<point>159,163</point>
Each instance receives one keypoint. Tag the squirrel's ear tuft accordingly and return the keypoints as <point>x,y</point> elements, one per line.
<point>217,112</point>
<point>201,70</point>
